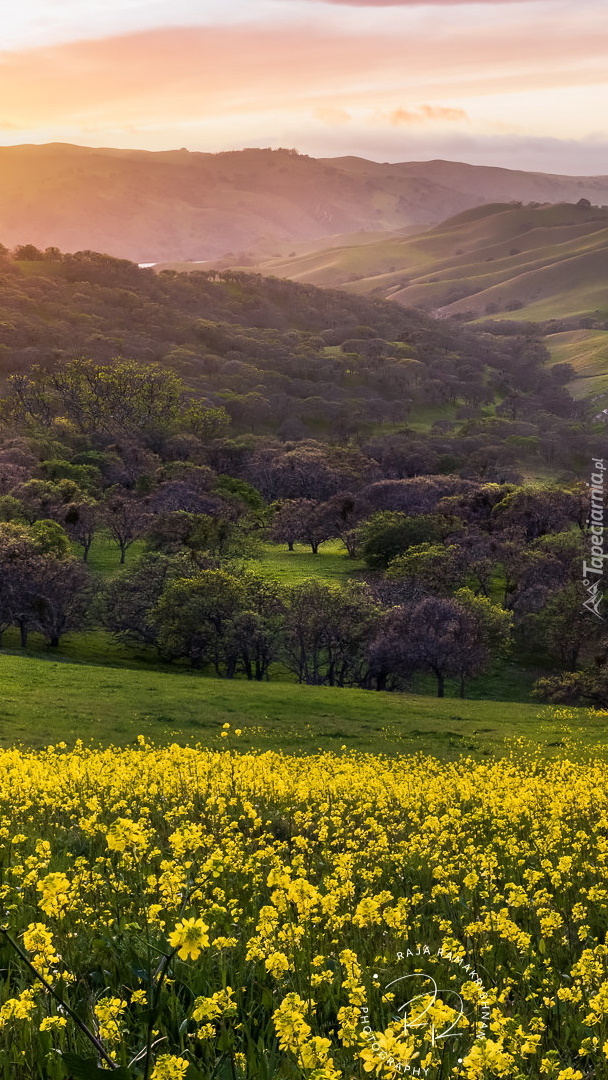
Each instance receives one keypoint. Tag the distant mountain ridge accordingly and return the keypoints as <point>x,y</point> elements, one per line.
<point>255,203</point>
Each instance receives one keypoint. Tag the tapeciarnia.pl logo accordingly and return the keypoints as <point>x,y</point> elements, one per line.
<point>593,571</point>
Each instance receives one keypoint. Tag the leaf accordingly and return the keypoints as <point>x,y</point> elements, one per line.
<point>225,1040</point>
<point>81,1068</point>
<point>183,992</point>
<point>192,1073</point>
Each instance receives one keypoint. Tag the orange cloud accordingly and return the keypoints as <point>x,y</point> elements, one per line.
<point>330,115</point>
<point>424,113</point>
<point>413,3</point>
<point>180,75</point>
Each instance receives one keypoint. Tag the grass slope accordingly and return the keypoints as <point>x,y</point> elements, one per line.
<point>275,560</point>
<point>587,352</point>
<point>290,567</point>
<point>46,701</point>
<point>550,260</point>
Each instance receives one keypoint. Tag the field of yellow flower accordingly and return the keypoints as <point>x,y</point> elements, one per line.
<point>184,912</point>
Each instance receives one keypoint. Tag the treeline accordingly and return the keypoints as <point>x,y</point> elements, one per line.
<point>190,607</point>
<point>323,633</point>
<point>453,585</point>
<point>518,547</point>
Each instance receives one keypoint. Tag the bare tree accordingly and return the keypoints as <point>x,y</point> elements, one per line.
<point>125,519</point>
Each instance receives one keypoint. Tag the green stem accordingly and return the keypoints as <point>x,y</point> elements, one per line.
<point>79,1023</point>
<point>160,973</point>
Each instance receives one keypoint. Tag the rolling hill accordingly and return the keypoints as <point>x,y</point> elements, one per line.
<point>534,262</point>
<point>587,352</point>
<point>254,203</point>
<point>543,264</point>
<point>46,700</point>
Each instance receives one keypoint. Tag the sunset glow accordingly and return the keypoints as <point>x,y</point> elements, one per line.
<point>520,84</point>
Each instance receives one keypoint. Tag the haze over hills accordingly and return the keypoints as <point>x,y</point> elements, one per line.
<point>254,203</point>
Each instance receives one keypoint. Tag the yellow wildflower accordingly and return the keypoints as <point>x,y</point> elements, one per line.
<point>189,938</point>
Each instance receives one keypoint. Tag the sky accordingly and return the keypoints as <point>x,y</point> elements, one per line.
<point>515,83</point>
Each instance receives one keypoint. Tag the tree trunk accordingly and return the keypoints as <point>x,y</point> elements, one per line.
<point>350,543</point>
<point>290,545</point>
<point>23,632</point>
<point>440,685</point>
<point>315,546</point>
<point>54,642</point>
<point>572,660</point>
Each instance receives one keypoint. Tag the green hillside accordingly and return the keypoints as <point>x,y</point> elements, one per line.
<point>587,352</point>
<point>47,701</point>
<point>534,262</point>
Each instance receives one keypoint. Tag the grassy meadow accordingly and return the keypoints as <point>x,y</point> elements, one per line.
<point>331,562</point>
<point>52,700</point>
<point>274,559</point>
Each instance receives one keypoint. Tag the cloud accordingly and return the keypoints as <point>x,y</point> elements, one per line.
<point>425,113</point>
<point>328,114</point>
<point>317,88</point>
<point>414,3</point>
<point>192,73</point>
<point>420,115</point>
